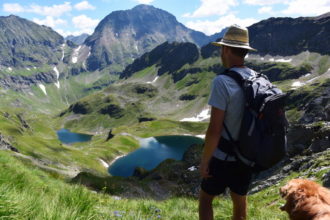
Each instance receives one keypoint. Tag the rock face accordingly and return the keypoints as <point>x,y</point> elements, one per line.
<point>168,56</point>
<point>286,36</point>
<point>279,71</point>
<point>318,109</point>
<point>125,35</point>
<point>24,43</point>
<point>5,145</point>
<point>77,39</point>
<point>313,103</point>
<point>24,82</point>
<point>289,36</point>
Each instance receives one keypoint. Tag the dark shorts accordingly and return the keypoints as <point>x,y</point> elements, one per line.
<point>234,175</point>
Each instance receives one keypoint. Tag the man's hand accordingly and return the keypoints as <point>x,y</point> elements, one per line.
<point>204,170</point>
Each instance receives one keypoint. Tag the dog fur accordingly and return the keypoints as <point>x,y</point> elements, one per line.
<point>306,200</point>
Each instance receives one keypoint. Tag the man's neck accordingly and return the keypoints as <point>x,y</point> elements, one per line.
<point>239,63</point>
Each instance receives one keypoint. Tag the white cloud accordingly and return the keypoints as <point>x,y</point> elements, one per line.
<point>144,1</point>
<point>84,23</point>
<point>54,10</point>
<point>84,5</point>
<point>13,8</point>
<point>50,21</point>
<point>266,10</point>
<point>67,33</point>
<point>212,7</point>
<point>211,27</point>
<point>265,2</point>
<point>307,7</point>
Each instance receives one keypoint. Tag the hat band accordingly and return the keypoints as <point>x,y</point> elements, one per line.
<point>235,42</point>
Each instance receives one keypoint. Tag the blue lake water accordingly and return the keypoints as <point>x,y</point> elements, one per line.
<point>152,152</point>
<point>67,137</point>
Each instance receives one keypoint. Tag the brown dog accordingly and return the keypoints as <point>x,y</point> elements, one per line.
<point>306,200</point>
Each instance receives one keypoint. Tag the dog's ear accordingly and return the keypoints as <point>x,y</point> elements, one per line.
<point>291,203</point>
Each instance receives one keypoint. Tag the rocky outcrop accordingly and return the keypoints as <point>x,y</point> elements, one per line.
<point>5,145</point>
<point>168,57</point>
<point>313,102</point>
<point>326,180</point>
<point>23,122</point>
<point>318,109</point>
<point>80,108</point>
<point>290,36</point>
<point>187,97</point>
<point>145,89</point>
<point>279,71</point>
<point>113,111</point>
<point>77,39</point>
<point>143,119</point>
<point>178,75</point>
<point>19,83</point>
<point>110,135</point>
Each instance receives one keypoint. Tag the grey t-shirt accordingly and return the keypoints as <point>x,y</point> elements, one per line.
<point>228,96</point>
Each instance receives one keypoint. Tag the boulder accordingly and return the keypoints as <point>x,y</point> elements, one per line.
<point>110,135</point>
<point>319,145</point>
<point>142,119</point>
<point>113,111</point>
<point>187,97</point>
<point>140,172</point>
<point>326,180</point>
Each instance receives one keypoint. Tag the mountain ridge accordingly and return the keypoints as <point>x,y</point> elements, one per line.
<point>289,36</point>
<point>24,43</point>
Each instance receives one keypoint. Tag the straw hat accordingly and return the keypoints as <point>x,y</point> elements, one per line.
<point>235,36</point>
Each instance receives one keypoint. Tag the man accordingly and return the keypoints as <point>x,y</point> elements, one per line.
<point>218,169</point>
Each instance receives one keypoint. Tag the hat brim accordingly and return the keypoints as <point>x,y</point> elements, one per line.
<point>219,44</point>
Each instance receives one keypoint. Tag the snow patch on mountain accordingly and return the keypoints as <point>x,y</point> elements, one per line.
<point>75,55</point>
<point>57,84</point>
<point>43,88</point>
<point>203,115</point>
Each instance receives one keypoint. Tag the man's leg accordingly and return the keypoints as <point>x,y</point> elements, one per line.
<point>239,206</point>
<point>205,206</point>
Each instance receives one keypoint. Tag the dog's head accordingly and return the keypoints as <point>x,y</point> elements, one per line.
<point>296,190</point>
<point>304,198</point>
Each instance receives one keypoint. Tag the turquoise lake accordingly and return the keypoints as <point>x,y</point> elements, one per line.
<point>67,137</point>
<point>152,152</point>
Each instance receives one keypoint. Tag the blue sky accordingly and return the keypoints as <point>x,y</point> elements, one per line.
<point>73,17</point>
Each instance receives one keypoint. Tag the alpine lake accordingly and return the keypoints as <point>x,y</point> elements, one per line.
<point>151,153</point>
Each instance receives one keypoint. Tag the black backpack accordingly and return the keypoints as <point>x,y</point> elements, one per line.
<point>262,137</point>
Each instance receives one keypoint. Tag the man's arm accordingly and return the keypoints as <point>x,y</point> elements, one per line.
<point>212,138</point>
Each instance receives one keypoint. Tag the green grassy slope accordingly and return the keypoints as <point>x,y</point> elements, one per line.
<point>28,193</point>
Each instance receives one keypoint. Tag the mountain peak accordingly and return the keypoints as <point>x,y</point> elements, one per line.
<point>123,36</point>
<point>143,7</point>
<point>326,15</point>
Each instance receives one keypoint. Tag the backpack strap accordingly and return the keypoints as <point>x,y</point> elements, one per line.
<point>235,75</point>
<point>240,81</point>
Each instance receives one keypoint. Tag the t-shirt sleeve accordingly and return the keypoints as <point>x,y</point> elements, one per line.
<point>219,96</point>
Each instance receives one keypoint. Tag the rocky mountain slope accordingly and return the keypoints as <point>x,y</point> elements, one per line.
<point>290,36</point>
<point>77,39</point>
<point>123,36</point>
<point>24,43</point>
